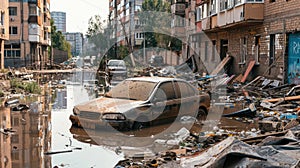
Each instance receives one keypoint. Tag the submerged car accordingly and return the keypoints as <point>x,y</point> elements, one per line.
<point>116,71</point>
<point>141,102</point>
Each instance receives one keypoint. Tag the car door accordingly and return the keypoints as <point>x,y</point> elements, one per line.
<point>188,99</point>
<point>164,102</point>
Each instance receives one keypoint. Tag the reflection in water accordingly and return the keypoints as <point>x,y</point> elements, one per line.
<point>61,99</point>
<point>25,136</point>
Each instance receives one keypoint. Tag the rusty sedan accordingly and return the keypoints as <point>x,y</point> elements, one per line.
<point>141,102</point>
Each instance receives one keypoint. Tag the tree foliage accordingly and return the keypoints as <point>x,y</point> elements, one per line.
<point>156,15</point>
<point>58,40</point>
<point>97,35</point>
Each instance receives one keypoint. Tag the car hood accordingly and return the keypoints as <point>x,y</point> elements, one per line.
<point>108,105</point>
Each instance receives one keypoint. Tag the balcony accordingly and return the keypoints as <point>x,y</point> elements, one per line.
<point>34,38</point>
<point>35,19</point>
<point>179,31</point>
<point>248,12</point>
<point>178,9</point>
<point>240,15</point>
<point>34,29</point>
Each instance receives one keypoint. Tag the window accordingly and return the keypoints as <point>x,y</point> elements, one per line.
<point>184,90</point>
<point>15,121</point>
<point>14,0</point>
<point>213,7</point>
<point>272,49</point>
<point>213,55</point>
<point>1,19</point>
<point>165,91</point>
<point>272,1</point>
<point>257,48</point>
<point>223,4</point>
<point>243,50</point>
<point>13,30</point>
<point>12,11</point>
<point>230,4</point>
<point>236,2</point>
<point>34,10</point>
<point>12,51</point>
<point>199,13</point>
<point>15,138</point>
<point>139,35</point>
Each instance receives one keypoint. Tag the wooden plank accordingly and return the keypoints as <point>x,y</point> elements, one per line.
<point>221,65</point>
<point>249,68</point>
<point>282,99</point>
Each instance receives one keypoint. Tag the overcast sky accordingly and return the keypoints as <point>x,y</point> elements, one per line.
<point>79,11</point>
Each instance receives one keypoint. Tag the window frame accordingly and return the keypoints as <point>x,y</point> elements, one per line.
<point>13,11</point>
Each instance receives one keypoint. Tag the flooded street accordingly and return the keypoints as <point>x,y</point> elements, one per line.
<point>37,134</point>
<point>86,155</point>
<point>44,137</point>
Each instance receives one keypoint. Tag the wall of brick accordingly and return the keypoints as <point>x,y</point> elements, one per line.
<point>280,18</point>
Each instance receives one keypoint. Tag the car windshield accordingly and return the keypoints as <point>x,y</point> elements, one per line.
<point>132,89</point>
<point>116,63</point>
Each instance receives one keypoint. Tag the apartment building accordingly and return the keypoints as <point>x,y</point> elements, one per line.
<point>59,19</point>
<point>76,41</point>
<point>124,21</point>
<point>264,31</point>
<point>4,25</point>
<point>29,34</point>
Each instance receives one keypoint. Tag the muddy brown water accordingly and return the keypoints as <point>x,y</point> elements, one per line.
<point>46,128</point>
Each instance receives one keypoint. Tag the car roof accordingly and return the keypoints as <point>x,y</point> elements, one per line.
<point>155,79</point>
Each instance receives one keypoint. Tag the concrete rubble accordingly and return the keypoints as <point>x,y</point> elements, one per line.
<point>271,107</point>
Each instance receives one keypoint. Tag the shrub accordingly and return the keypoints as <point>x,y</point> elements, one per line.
<point>32,87</point>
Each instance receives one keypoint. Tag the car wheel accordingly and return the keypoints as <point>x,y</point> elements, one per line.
<point>201,114</point>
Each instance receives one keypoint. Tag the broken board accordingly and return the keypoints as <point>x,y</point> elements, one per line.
<point>249,68</point>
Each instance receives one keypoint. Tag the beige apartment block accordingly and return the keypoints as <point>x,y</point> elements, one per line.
<point>29,34</point>
<point>4,25</point>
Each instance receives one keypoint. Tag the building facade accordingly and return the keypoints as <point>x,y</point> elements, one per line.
<point>29,34</point>
<point>4,25</point>
<point>264,31</point>
<point>76,41</point>
<point>124,21</point>
<point>59,19</point>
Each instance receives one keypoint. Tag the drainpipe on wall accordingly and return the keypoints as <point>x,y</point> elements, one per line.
<point>283,53</point>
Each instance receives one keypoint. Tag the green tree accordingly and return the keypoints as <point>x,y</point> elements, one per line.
<point>157,16</point>
<point>58,40</point>
<point>97,35</point>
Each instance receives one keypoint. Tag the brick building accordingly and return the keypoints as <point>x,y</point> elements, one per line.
<point>264,31</point>
<point>29,34</point>
<point>4,25</point>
